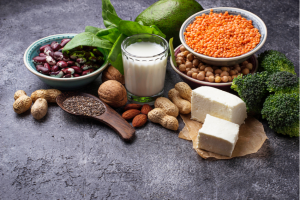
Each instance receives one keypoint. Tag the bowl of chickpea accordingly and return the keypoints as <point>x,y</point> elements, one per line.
<point>196,73</point>
<point>223,36</point>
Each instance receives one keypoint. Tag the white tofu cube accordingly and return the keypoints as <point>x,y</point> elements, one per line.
<point>218,103</point>
<point>218,136</point>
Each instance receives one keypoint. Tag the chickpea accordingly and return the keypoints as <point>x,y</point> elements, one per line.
<point>217,79</point>
<point>200,76</point>
<point>218,71</point>
<point>224,73</point>
<point>236,71</point>
<point>245,63</point>
<point>187,69</point>
<point>229,78</point>
<point>238,68</point>
<point>236,65</point>
<point>194,75</point>
<point>245,71</point>
<point>215,67</point>
<point>180,54</point>
<point>217,75</point>
<point>189,73</point>
<point>208,74</point>
<point>179,62</point>
<point>206,79</point>
<point>188,64</point>
<point>211,79</point>
<point>208,69</point>
<point>202,72</point>
<point>232,72</point>
<point>182,68</point>
<point>195,62</point>
<point>249,66</point>
<point>194,70</point>
<point>185,53</point>
<point>225,69</point>
<point>190,57</point>
<point>201,67</point>
<point>224,79</point>
<point>182,48</point>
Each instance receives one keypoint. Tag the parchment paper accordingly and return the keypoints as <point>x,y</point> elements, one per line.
<point>251,137</point>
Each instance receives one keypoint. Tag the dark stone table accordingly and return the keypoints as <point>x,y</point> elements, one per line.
<point>65,157</point>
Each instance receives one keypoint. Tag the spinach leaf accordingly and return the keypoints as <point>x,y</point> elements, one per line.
<point>110,34</point>
<point>172,52</point>
<point>87,39</point>
<point>157,31</point>
<point>92,29</point>
<point>132,28</point>
<point>109,14</point>
<point>115,55</point>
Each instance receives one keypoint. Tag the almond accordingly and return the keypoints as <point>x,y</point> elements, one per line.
<point>129,114</point>
<point>139,120</point>
<point>145,109</point>
<point>132,106</point>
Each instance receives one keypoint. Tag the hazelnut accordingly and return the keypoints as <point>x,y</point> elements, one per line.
<point>113,93</point>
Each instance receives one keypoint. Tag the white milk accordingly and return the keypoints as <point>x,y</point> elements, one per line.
<point>144,76</point>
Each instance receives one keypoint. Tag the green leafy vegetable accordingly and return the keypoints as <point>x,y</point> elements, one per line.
<point>110,34</point>
<point>115,55</point>
<point>283,82</point>
<point>92,29</point>
<point>172,52</point>
<point>87,39</point>
<point>107,10</point>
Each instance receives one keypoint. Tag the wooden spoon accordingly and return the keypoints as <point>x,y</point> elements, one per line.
<point>109,117</point>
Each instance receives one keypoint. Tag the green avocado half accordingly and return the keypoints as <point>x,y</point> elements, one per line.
<point>168,16</point>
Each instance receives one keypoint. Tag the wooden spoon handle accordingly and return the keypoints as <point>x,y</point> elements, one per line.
<point>116,122</point>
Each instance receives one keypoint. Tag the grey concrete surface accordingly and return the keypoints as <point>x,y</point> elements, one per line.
<point>65,157</point>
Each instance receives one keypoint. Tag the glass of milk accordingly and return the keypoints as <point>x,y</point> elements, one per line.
<point>144,61</point>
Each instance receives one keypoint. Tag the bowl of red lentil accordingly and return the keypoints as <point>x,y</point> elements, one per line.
<point>223,36</point>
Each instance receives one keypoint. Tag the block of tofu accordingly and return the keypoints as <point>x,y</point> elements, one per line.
<point>218,136</point>
<point>218,103</point>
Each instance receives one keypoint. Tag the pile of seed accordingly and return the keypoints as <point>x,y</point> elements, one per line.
<point>81,105</point>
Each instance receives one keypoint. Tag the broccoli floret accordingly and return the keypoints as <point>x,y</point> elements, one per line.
<point>252,89</point>
<point>282,113</point>
<point>283,82</point>
<point>274,61</point>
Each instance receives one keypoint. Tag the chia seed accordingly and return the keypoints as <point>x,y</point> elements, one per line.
<point>81,105</point>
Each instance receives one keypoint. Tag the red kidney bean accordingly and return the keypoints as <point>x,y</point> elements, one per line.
<point>81,60</point>
<point>43,47</point>
<point>60,50</point>
<point>64,42</point>
<point>62,64</point>
<point>68,76</point>
<point>76,75</point>
<point>58,55</point>
<point>39,60</point>
<point>54,68</point>
<point>87,72</point>
<point>55,46</point>
<point>47,66</point>
<point>71,63</point>
<point>42,55</point>
<point>66,58</point>
<point>87,66</point>
<point>57,74</point>
<point>42,69</point>
<point>50,60</point>
<point>68,70</point>
<point>48,51</point>
<point>77,64</point>
<point>78,70</point>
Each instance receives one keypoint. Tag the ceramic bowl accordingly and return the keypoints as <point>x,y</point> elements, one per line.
<point>59,83</point>
<point>194,83</point>
<point>256,21</point>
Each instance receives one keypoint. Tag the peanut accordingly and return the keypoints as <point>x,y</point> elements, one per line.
<point>183,105</point>
<point>39,108</point>
<point>184,90</point>
<point>158,115</point>
<point>167,106</point>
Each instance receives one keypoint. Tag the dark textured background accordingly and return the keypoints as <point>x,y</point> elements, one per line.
<point>65,157</point>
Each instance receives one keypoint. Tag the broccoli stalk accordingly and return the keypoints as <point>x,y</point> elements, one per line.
<point>252,89</point>
<point>274,61</point>
<point>282,113</point>
<point>283,82</point>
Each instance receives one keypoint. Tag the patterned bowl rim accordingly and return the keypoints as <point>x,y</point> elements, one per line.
<point>204,82</point>
<point>36,44</point>
<point>223,9</point>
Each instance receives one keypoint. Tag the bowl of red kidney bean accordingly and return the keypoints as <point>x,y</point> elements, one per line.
<point>45,59</point>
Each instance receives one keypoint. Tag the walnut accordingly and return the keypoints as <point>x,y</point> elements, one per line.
<point>113,93</point>
<point>111,73</point>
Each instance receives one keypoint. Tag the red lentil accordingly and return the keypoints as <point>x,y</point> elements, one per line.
<point>222,35</point>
